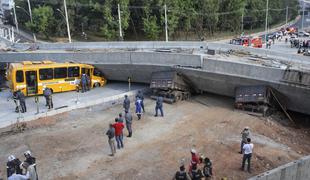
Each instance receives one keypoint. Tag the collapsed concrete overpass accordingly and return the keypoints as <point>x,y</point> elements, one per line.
<point>208,73</point>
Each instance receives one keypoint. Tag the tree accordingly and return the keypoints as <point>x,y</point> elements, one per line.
<point>43,21</point>
<point>152,19</point>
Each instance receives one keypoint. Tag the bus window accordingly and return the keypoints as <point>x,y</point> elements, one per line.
<point>86,71</point>
<point>74,71</point>
<point>97,72</point>
<point>19,76</point>
<point>46,74</point>
<point>60,73</point>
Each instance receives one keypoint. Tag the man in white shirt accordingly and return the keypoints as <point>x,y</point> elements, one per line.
<point>247,154</point>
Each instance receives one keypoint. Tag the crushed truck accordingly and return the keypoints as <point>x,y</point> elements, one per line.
<point>171,85</point>
<point>260,100</point>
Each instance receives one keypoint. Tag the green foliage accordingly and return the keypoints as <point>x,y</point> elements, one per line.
<point>151,28</point>
<point>43,21</point>
<point>145,18</point>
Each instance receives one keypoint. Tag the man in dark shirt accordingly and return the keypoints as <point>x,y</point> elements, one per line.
<point>182,174</point>
<point>13,165</point>
<point>111,135</point>
<point>126,103</point>
<point>159,106</point>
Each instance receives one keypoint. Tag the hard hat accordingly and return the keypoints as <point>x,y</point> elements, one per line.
<point>27,153</point>
<point>193,151</point>
<point>246,127</point>
<point>11,158</point>
<point>44,87</point>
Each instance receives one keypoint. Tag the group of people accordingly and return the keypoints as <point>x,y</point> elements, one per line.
<point>17,170</point>
<point>199,167</point>
<point>20,102</point>
<point>202,167</point>
<point>246,148</point>
<point>85,82</point>
<point>115,131</point>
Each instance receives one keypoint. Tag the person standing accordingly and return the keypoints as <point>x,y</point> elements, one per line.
<point>247,154</point>
<point>111,135</point>
<point>47,92</point>
<point>141,97</point>
<point>181,174</point>
<point>31,173</point>
<point>88,83</point>
<point>21,98</point>
<point>159,106</point>
<point>83,82</point>
<point>118,126</point>
<point>245,134</point>
<point>120,118</point>
<point>195,159</point>
<point>195,173</point>
<point>13,166</point>
<point>138,108</point>
<point>128,119</point>
<point>29,158</point>
<point>207,169</point>
<point>126,103</point>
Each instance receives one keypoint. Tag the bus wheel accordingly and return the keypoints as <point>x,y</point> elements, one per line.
<point>96,85</point>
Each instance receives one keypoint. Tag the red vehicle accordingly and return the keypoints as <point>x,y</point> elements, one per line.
<point>257,42</point>
<point>248,41</point>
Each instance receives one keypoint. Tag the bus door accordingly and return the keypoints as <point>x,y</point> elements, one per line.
<point>87,71</point>
<point>31,82</point>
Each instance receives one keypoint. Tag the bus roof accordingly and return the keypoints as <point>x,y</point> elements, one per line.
<point>42,64</point>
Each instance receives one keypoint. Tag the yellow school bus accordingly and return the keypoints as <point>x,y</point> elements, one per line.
<point>31,76</point>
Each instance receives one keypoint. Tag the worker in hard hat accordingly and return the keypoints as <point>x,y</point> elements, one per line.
<point>245,134</point>
<point>12,166</point>
<point>29,158</point>
<point>195,159</point>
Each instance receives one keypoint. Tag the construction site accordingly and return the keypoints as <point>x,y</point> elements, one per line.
<point>228,109</point>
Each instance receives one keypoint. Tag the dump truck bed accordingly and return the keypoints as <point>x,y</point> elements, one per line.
<point>168,80</point>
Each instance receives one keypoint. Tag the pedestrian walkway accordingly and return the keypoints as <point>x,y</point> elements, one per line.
<point>112,93</point>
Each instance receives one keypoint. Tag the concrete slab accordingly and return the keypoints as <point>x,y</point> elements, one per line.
<point>111,93</point>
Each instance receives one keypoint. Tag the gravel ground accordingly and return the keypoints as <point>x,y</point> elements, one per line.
<point>73,145</point>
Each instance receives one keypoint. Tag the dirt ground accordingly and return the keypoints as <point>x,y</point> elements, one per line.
<point>74,146</point>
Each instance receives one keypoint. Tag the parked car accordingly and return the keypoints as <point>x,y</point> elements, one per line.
<point>303,34</point>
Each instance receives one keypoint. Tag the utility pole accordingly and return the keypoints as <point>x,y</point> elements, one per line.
<point>242,23</point>
<point>286,15</point>
<point>303,15</point>
<point>30,14</point>
<point>266,25</point>
<point>166,23</point>
<point>15,18</point>
<point>119,23</point>
<point>67,20</point>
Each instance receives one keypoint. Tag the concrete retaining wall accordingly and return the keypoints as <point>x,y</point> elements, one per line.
<point>296,170</point>
<point>116,45</point>
<point>163,45</point>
